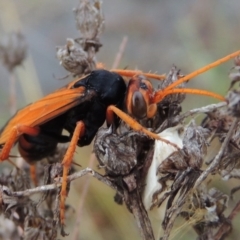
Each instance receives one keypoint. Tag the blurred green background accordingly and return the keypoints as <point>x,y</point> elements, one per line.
<point>189,34</point>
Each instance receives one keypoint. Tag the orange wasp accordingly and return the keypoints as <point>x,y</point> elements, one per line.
<point>81,107</point>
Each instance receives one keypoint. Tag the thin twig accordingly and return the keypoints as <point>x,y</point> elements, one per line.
<point>226,227</point>
<point>120,52</point>
<point>135,203</point>
<point>82,201</point>
<point>70,178</point>
<point>12,93</point>
<point>217,159</point>
<point>205,109</point>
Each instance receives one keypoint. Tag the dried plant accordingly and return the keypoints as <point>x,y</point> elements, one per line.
<point>13,51</point>
<point>152,178</point>
<point>79,56</point>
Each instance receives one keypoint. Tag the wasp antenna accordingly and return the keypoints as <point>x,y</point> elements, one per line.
<point>126,72</point>
<point>131,73</point>
<point>155,76</point>
<point>202,70</point>
<point>160,95</point>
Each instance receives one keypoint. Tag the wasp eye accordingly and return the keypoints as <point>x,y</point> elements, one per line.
<point>139,106</point>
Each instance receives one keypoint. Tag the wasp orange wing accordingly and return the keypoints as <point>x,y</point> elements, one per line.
<point>45,109</point>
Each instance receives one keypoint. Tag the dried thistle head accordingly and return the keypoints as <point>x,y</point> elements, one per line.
<point>13,50</point>
<point>15,207</point>
<point>89,19</point>
<point>233,99</point>
<point>39,228</point>
<point>73,58</point>
<point>234,74</point>
<point>170,106</point>
<point>218,121</point>
<point>194,149</point>
<point>79,56</point>
<point>204,211</point>
<point>114,152</point>
<point>173,75</point>
<point>195,145</point>
<point>37,218</point>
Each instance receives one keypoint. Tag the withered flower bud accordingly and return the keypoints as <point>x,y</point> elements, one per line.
<point>73,58</point>
<point>237,61</point>
<point>233,99</point>
<point>117,155</point>
<point>13,49</point>
<point>234,75</point>
<point>89,19</point>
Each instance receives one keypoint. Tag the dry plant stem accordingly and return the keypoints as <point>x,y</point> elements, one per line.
<point>120,52</point>
<point>144,225</point>
<point>175,212</point>
<point>205,109</point>
<point>234,174</point>
<point>226,227</point>
<point>217,159</point>
<point>76,229</point>
<point>12,93</point>
<point>170,224</point>
<point>91,54</point>
<point>70,178</point>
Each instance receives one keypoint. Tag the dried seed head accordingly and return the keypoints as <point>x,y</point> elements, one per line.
<point>73,58</point>
<point>233,99</point>
<point>204,208</point>
<point>219,121</point>
<point>192,154</point>
<point>237,61</point>
<point>215,204</point>
<point>89,19</point>
<point>13,49</point>
<point>234,77</point>
<point>195,144</point>
<point>173,75</point>
<point>234,74</point>
<point>114,153</point>
<point>39,228</point>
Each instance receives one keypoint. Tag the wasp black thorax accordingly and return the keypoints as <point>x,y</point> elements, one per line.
<point>101,89</point>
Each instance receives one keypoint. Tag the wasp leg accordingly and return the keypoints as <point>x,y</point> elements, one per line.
<point>67,161</point>
<point>133,124</point>
<point>33,174</point>
<point>14,135</point>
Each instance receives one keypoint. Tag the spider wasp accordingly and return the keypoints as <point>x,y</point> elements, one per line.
<point>81,107</point>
